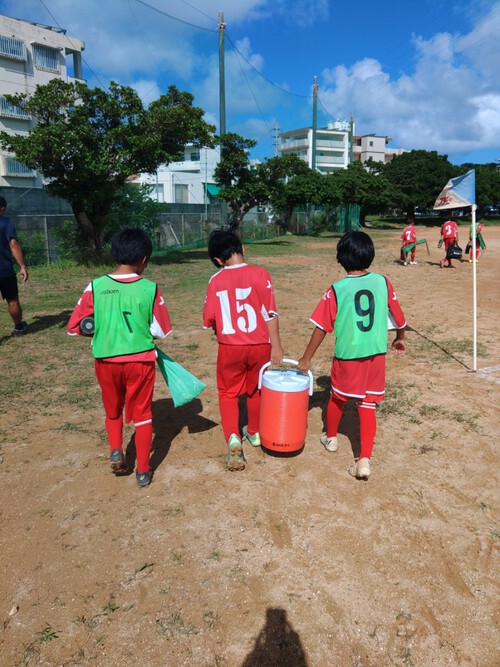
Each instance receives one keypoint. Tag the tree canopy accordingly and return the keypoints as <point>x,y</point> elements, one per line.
<point>244,186</point>
<point>419,176</point>
<point>87,142</point>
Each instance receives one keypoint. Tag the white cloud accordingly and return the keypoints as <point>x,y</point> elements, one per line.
<point>449,103</point>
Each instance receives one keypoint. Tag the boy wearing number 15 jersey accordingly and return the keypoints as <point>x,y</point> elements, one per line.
<point>240,308</point>
<point>356,310</point>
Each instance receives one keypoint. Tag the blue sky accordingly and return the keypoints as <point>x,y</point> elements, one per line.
<point>423,72</point>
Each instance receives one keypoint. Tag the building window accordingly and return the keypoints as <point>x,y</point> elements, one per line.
<point>46,58</point>
<point>12,48</point>
<point>195,157</point>
<point>181,193</point>
<point>371,144</point>
<point>9,110</point>
<point>15,168</point>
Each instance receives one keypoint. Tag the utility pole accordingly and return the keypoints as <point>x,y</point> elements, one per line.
<point>351,139</point>
<point>222,76</point>
<point>276,131</point>
<point>315,123</point>
<point>222,101</point>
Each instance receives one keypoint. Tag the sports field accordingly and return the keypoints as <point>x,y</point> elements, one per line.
<point>291,562</point>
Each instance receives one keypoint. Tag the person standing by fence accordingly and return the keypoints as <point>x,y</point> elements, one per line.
<point>11,250</point>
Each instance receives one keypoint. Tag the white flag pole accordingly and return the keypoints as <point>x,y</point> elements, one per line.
<point>474,291</point>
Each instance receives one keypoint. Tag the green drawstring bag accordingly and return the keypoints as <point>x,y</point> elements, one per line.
<point>183,386</point>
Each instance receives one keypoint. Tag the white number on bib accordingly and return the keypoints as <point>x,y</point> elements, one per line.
<point>247,324</point>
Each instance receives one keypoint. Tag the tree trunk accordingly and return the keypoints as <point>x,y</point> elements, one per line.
<point>92,234</point>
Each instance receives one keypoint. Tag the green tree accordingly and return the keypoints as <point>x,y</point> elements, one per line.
<point>419,176</point>
<point>87,142</point>
<point>244,186</point>
<point>306,187</point>
<point>487,182</point>
<point>370,189</point>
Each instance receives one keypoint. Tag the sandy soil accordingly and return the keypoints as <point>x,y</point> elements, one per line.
<point>291,562</point>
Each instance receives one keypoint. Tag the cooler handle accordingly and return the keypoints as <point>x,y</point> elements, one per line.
<point>286,361</point>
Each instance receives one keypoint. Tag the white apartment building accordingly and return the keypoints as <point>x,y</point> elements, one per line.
<point>334,148</point>
<point>187,181</point>
<point>375,147</point>
<point>332,145</point>
<point>30,54</point>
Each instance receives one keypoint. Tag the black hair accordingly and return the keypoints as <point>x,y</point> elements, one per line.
<point>3,202</point>
<point>355,251</point>
<point>223,244</point>
<point>129,246</point>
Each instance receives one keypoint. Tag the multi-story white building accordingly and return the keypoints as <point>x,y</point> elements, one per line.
<point>336,146</point>
<point>30,54</point>
<point>375,147</point>
<point>187,181</point>
<point>333,145</point>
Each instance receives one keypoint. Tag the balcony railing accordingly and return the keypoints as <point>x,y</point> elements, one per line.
<point>9,110</point>
<point>15,168</point>
<point>12,48</point>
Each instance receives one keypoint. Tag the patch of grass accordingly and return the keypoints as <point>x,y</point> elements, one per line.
<point>67,426</point>
<point>172,625</point>
<point>48,634</point>
<point>215,555</point>
<point>484,506</point>
<point>143,567</point>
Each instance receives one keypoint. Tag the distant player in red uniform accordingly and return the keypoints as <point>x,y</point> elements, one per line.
<point>408,237</point>
<point>449,232</point>
<point>479,229</point>
<point>241,310</point>
<point>356,309</point>
<point>128,311</point>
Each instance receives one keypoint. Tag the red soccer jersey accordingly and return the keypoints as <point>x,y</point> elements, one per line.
<point>160,326</point>
<point>449,229</point>
<point>409,235</point>
<point>239,303</point>
<point>326,311</point>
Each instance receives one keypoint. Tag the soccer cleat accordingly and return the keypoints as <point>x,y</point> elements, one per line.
<point>330,444</point>
<point>20,329</point>
<point>405,263</point>
<point>254,439</point>
<point>361,469</point>
<point>235,455</point>
<point>414,263</point>
<point>117,460</point>
<point>143,478</point>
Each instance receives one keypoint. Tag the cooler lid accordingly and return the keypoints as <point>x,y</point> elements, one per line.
<point>288,380</point>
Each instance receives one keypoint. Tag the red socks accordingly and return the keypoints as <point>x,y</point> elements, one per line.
<point>333,416</point>
<point>143,440</point>
<point>114,429</point>
<point>367,428</point>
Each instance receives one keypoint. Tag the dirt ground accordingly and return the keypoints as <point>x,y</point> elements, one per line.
<point>291,562</point>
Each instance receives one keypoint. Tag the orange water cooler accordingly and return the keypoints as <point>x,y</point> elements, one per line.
<point>283,408</point>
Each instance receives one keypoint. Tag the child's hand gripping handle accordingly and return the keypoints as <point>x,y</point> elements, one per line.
<point>287,361</point>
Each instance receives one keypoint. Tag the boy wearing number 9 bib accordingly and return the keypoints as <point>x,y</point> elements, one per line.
<point>240,308</point>
<point>356,310</point>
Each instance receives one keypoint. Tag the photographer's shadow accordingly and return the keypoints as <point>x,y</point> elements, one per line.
<point>168,422</point>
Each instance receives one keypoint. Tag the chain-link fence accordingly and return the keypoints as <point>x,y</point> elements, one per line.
<point>44,238</point>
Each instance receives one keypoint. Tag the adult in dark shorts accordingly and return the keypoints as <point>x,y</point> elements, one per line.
<point>11,250</point>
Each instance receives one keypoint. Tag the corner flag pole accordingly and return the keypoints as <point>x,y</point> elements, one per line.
<point>460,192</point>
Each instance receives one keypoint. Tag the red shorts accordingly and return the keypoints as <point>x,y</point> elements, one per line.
<point>238,368</point>
<point>128,385</point>
<point>359,378</point>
